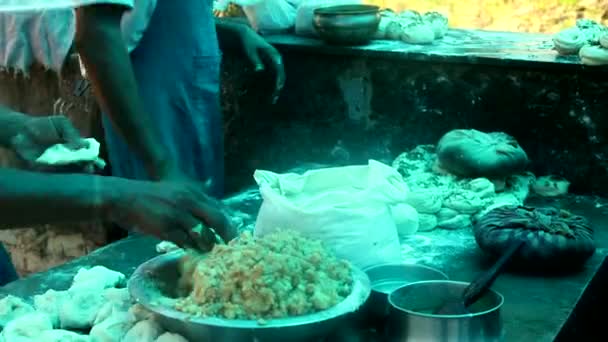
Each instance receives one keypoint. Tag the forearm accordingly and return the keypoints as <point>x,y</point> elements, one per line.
<point>28,198</point>
<point>100,45</point>
<point>10,123</point>
<point>228,33</point>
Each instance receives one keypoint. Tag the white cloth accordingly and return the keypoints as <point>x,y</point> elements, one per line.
<point>40,5</point>
<point>42,31</point>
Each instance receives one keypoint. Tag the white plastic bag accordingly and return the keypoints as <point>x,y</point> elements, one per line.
<point>304,16</point>
<point>346,207</point>
<point>270,15</point>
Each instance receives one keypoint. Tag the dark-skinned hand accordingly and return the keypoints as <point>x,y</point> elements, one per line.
<point>262,55</point>
<point>37,134</point>
<point>170,211</point>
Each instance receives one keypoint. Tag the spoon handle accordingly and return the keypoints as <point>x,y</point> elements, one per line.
<point>479,286</point>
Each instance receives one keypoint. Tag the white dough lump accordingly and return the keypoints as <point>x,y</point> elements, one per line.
<point>12,307</point>
<point>412,27</point>
<point>443,200</point>
<point>96,302</point>
<point>588,39</point>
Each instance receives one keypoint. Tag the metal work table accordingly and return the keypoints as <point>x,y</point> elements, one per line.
<point>536,306</point>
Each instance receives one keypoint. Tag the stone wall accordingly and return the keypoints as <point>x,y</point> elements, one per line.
<point>339,109</point>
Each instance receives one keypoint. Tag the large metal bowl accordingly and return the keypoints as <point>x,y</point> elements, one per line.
<point>154,284</point>
<point>347,24</point>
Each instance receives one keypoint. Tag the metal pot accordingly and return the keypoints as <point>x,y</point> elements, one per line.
<point>347,24</point>
<point>386,278</point>
<point>411,315</point>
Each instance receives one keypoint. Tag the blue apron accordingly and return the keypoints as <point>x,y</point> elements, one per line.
<point>177,67</point>
<point>7,270</point>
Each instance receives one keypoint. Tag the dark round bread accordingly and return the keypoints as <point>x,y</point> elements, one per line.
<point>471,153</point>
<point>555,238</point>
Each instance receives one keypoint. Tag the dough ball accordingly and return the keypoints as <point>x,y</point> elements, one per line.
<point>465,202</point>
<point>170,337</point>
<point>408,16</point>
<point>483,187</point>
<point>417,33</point>
<point>382,27</point>
<point>12,307</point>
<point>591,30</point>
<point>406,219</point>
<point>470,153</point>
<point>604,41</point>
<point>80,309</point>
<point>426,222</point>
<point>425,201</point>
<point>569,41</point>
<point>112,329</point>
<point>393,30</point>
<point>456,222</point>
<point>143,331</point>
<point>140,312</point>
<point>29,326</point>
<point>98,277</point>
<point>593,55</point>
<point>446,214</point>
<point>49,303</point>
<point>438,22</point>
<point>57,335</point>
<point>116,301</point>
<point>118,296</point>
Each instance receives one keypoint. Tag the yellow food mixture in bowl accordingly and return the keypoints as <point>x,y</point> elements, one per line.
<point>280,275</point>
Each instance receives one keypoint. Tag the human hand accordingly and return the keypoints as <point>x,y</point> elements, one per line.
<point>37,134</point>
<point>170,211</point>
<point>259,50</point>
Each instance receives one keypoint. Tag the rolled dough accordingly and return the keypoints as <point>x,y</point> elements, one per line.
<point>60,154</point>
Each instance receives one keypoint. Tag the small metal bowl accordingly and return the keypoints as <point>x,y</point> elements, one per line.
<point>154,284</point>
<point>347,24</point>
<point>412,315</point>
<point>386,278</point>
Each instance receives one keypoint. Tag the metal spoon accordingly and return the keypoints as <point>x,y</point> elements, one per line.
<point>479,286</point>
